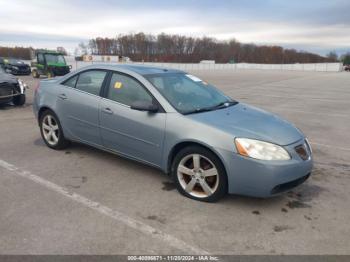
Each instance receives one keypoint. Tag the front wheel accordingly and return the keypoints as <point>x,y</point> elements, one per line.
<point>35,73</point>
<point>51,131</point>
<point>199,174</point>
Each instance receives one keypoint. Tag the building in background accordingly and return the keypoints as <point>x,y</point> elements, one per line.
<point>104,58</point>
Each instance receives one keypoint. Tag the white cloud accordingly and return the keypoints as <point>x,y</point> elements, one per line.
<point>69,20</point>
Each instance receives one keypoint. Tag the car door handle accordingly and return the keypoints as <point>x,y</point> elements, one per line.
<point>63,96</point>
<point>107,111</point>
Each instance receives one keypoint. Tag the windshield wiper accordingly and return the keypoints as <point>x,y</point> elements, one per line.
<point>211,108</point>
<point>224,104</point>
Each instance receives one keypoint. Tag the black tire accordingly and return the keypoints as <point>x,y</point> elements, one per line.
<point>19,100</point>
<point>221,188</point>
<point>62,142</point>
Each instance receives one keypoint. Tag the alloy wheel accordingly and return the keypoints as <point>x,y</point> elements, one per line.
<point>50,130</point>
<point>198,176</point>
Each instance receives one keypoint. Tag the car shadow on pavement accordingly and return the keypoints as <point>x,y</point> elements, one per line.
<point>6,106</point>
<point>11,106</point>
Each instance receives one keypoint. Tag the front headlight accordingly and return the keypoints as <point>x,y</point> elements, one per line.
<point>15,67</point>
<point>260,150</point>
<point>20,82</point>
<point>22,85</point>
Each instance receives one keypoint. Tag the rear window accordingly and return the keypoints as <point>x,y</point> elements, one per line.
<point>91,81</point>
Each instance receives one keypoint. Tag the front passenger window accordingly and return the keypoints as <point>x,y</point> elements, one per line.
<point>91,81</point>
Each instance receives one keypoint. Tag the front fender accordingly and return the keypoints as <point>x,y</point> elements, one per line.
<point>180,129</point>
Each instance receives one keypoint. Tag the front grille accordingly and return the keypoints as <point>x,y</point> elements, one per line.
<point>289,185</point>
<point>302,151</point>
<point>23,69</point>
<point>7,89</point>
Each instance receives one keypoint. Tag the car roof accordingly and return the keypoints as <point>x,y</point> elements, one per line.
<point>139,69</point>
<point>48,52</point>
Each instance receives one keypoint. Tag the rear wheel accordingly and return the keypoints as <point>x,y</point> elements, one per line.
<point>51,131</point>
<point>199,174</point>
<point>19,100</point>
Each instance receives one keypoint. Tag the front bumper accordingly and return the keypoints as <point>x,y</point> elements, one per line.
<point>9,91</point>
<point>258,178</point>
<point>20,71</point>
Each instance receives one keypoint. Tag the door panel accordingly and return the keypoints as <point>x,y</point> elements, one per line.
<point>79,104</point>
<point>80,115</point>
<point>134,133</point>
<point>138,134</point>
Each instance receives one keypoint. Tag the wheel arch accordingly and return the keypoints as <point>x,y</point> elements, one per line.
<point>179,146</point>
<point>47,108</point>
<point>42,110</point>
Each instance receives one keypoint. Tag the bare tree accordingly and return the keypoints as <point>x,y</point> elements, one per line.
<point>17,52</point>
<point>176,48</point>
<point>82,49</point>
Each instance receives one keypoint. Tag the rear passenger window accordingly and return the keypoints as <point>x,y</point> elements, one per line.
<point>71,81</point>
<point>91,81</point>
<point>126,90</point>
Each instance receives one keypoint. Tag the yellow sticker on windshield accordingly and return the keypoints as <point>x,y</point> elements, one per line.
<point>118,85</point>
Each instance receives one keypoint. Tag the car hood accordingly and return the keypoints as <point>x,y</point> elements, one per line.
<point>246,121</point>
<point>7,78</point>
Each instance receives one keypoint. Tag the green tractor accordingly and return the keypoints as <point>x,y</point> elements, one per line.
<point>50,64</point>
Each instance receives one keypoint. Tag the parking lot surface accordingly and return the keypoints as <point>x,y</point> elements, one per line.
<point>85,201</point>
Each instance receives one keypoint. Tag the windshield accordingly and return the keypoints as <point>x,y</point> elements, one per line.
<point>54,58</point>
<point>187,93</point>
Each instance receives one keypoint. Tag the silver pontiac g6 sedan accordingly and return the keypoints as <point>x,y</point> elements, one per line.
<point>209,143</point>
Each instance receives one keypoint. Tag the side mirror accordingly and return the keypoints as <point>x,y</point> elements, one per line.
<point>144,105</point>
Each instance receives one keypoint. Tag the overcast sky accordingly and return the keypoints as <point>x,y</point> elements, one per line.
<point>313,25</point>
